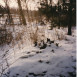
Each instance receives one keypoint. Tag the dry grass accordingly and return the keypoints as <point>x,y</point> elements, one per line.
<point>6,38</point>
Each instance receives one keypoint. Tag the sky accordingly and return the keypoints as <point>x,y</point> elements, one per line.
<point>1,2</point>
<point>31,5</point>
<point>12,3</point>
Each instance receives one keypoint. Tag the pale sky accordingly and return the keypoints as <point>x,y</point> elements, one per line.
<point>31,5</point>
<point>12,3</point>
<point>1,2</point>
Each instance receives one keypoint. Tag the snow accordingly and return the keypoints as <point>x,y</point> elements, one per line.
<point>53,61</point>
<point>25,60</point>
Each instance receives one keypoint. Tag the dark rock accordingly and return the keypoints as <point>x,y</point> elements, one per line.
<point>40,61</point>
<point>57,44</point>
<point>48,40</point>
<point>17,74</point>
<point>35,44</point>
<point>31,55</point>
<point>42,74</point>
<point>31,73</point>
<point>44,71</point>
<point>52,41</point>
<point>37,52</point>
<point>23,57</point>
<point>43,47</point>
<point>52,50</point>
<point>47,62</point>
<point>28,52</point>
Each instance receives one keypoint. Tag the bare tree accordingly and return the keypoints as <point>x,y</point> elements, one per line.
<point>59,9</point>
<point>9,17</point>
<point>23,20</point>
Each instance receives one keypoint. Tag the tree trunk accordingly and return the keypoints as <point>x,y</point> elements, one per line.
<point>58,15</point>
<point>21,13</point>
<point>70,18</point>
<point>9,17</point>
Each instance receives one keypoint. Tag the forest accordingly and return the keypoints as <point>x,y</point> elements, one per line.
<point>38,38</point>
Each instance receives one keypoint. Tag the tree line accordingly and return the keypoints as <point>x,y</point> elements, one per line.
<point>61,14</point>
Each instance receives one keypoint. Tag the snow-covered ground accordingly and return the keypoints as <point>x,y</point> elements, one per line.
<point>58,59</point>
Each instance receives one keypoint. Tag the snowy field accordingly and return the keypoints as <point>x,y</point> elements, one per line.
<point>58,59</point>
